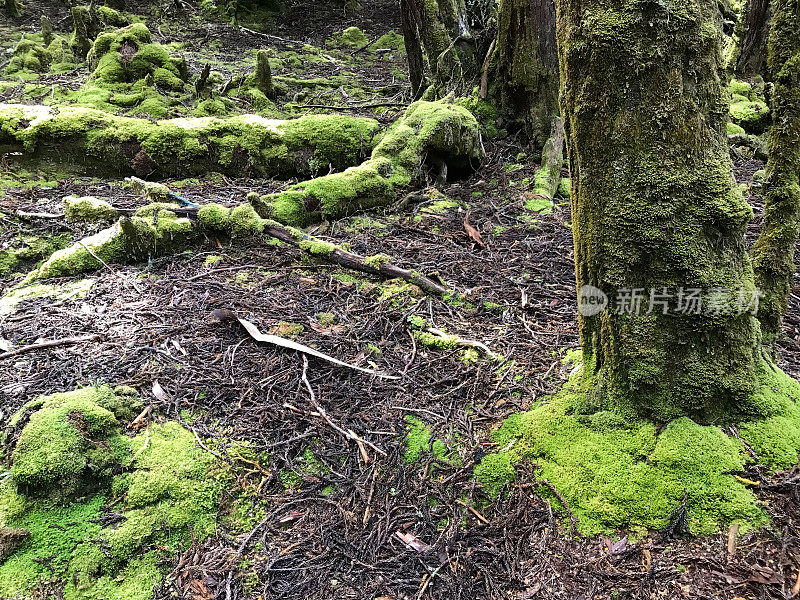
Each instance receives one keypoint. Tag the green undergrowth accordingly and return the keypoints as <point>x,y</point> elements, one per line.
<point>24,249</point>
<point>748,109</point>
<point>102,509</point>
<point>618,474</point>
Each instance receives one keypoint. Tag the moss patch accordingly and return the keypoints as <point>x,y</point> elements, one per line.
<point>621,474</point>
<point>161,486</point>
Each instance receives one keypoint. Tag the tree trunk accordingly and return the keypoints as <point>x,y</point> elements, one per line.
<point>655,208</point>
<point>410,17</point>
<point>441,26</point>
<point>752,58</point>
<point>526,73</point>
<point>773,252</point>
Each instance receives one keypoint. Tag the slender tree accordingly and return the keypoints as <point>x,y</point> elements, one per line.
<point>526,72</point>
<point>773,252</point>
<point>753,31</point>
<point>658,220</point>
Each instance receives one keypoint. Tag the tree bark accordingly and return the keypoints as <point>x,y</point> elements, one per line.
<point>752,58</point>
<point>655,207</point>
<point>526,74</point>
<point>410,18</point>
<point>773,252</point>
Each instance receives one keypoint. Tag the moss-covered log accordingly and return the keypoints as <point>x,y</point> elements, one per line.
<point>548,177</point>
<point>525,77</point>
<point>441,135</point>
<point>656,210</point>
<point>101,143</point>
<point>773,252</point>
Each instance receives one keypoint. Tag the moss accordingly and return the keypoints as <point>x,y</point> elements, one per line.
<point>129,240</point>
<point>734,129</point>
<point>88,209</point>
<point>25,249</point>
<point>418,441</point>
<point>428,340</point>
<point>325,318</point>
<point>377,260</point>
<point>168,495</point>
<point>288,330</point>
<point>564,187</point>
<point>438,131</point>
<point>352,37</point>
<point>244,221</point>
<point>188,145</point>
<point>616,473</point>
<point>67,291</point>
<point>391,40</point>
<point>538,204</point>
<point>214,216</point>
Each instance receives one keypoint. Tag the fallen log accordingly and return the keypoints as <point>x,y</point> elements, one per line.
<point>101,143</point>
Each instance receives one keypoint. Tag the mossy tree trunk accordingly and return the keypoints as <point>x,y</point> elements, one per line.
<point>654,206</point>
<point>773,252</point>
<point>752,57</point>
<point>452,52</point>
<point>526,66</point>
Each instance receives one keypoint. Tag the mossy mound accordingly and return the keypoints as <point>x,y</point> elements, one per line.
<point>435,134</point>
<point>129,54</point>
<point>352,37</point>
<point>69,445</point>
<point>162,487</point>
<point>748,110</point>
<point>622,475</point>
<point>32,55</point>
<point>88,209</point>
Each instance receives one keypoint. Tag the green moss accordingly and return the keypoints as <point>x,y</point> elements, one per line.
<point>168,494</point>
<point>564,187</point>
<point>288,330</point>
<point>418,441</point>
<point>427,129</point>
<point>377,260</point>
<point>616,473</point>
<point>391,40</point>
<point>734,129</point>
<point>129,240</point>
<point>69,444</point>
<point>214,216</point>
<point>25,249</point>
<point>325,318</point>
<point>352,37</point>
<point>244,221</point>
<point>88,209</point>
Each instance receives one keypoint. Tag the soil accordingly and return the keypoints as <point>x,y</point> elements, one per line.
<point>155,327</point>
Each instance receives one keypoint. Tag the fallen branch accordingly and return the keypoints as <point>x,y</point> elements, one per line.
<point>49,344</point>
<point>227,315</point>
<point>377,265</point>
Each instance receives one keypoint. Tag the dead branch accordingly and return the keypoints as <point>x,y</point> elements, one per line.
<point>49,344</point>
<point>354,261</point>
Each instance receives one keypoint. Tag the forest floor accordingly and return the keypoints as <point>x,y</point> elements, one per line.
<point>334,529</point>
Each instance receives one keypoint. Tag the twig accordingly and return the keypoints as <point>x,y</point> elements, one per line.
<point>107,266</point>
<point>573,521</point>
<point>356,262</point>
<point>463,342</point>
<point>732,541</point>
<point>352,106</point>
<point>348,434</point>
<point>473,511</point>
<point>49,344</point>
<point>35,215</point>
